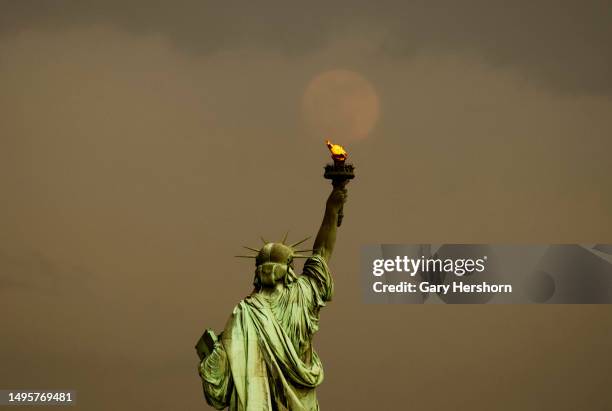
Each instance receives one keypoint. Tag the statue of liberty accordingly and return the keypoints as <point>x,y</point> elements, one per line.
<point>264,359</point>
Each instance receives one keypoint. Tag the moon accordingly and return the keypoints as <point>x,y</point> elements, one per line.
<point>340,105</point>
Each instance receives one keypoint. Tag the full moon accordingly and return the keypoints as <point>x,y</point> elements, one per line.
<point>341,105</point>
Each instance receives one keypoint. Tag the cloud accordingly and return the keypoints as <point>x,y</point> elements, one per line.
<point>566,45</point>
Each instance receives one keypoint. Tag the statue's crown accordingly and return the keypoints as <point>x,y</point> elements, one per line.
<point>280,252</point>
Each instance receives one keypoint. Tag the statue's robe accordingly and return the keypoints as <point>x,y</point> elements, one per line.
<point>265,360</point>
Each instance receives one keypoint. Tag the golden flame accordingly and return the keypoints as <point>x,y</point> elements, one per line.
<point>338,152</point>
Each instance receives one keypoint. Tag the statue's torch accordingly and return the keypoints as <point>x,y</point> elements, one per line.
<point>339,172</point>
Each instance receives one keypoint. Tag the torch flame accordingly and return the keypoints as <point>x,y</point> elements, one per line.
<point>338,152</point>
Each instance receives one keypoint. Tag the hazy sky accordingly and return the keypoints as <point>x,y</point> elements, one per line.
<point>142,144</point>
<point>564,44</point>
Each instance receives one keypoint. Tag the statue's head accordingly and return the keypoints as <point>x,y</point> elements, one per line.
<point>274,263</point>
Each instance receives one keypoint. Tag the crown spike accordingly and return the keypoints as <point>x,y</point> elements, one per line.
<point>285,237</point>
<point>299,242</point>
<point>263,239</point>
<point>246,256</point>
<point>252,249</point>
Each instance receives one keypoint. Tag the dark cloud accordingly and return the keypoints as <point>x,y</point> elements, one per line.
<point>563,44</point>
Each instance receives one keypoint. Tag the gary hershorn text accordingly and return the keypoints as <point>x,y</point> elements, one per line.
<point>455,287</point>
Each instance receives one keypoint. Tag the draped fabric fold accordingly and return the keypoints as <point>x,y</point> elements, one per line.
<point>265,360</point>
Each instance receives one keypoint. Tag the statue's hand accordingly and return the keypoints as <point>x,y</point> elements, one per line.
<point>337,198</point>
<point>215,361</point>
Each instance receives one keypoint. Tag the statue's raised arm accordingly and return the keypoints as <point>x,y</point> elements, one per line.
<point>326,237</point>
